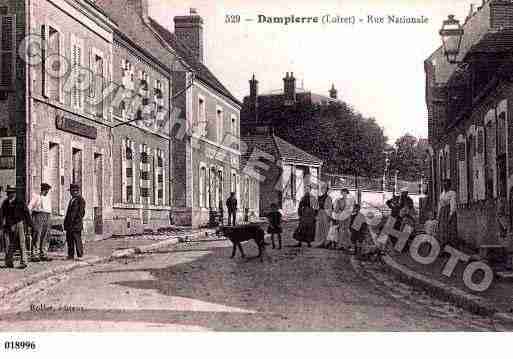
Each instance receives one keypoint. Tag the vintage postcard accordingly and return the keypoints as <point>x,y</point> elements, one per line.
<point>171,166</point>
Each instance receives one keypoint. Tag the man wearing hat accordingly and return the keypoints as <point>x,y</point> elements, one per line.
<point>41,207</point>
<point>400,207</point>
<point>73,222</point>
<point>13,214</point>
<point>231,204</point>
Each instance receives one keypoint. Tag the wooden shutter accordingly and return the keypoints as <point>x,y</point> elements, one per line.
<point>123,170</point>
<point>156,172</point>
<point>45,170</point>
<point>92,86</point>
<point>7,51</point>
<point>44,54</point>
<point>479,160</point>
<point>462,169</point>
<point>62,190</point>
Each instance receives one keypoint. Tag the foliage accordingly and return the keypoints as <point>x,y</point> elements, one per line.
<point>410,158</point>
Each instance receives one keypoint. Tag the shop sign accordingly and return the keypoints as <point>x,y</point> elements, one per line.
<point>75,127</point>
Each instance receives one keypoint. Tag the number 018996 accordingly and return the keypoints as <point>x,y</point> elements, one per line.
<point>232,19</point>
<point>19,345</point>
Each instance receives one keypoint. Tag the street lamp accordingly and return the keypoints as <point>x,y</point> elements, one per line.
<point>451,33</point>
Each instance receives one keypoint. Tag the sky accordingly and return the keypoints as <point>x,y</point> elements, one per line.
<point>377,68</point>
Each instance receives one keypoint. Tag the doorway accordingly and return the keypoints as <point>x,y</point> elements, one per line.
<point>76,172</point>
<point>98,193</point>
<point>54,176</point>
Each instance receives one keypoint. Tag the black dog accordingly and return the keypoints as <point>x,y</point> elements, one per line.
<point>243,233</point>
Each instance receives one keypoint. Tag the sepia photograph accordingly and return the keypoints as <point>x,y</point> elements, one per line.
<point>172,166</point>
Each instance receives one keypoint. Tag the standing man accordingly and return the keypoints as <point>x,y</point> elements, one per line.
<point>3,244</point>
<point>73,222</point>
<point>41,207</point>
<point>13,214</point>
<point>231,204</point>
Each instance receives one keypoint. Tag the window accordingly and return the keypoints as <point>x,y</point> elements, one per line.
<point>144,158</point>
<point>145,193</point>
<point>127,176</point>
<point>145,174</point>
<point>200,125</point>
<point>219,125</point>
<point>234,126</point>
<point>127,74</point>
<point>144,86</point>
<point>7,51</point>
<point>129,154</point>
<point>96,88</point>
<point>7,154</point>
<point>130,194</point>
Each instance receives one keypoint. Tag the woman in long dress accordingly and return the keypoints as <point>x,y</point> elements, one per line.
<point>322,225</point>
<point>447,220</point>
<point>307,212</point>
<point>347,202</point>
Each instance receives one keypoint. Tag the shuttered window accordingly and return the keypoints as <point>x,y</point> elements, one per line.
<point>7,51</point>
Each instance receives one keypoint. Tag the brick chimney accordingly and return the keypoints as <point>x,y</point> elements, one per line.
<point>333,92</point>
<point>189,30</point>
<point>289,88</point>
<point>253,98</point>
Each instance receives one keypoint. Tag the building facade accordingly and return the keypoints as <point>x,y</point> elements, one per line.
<point>282,170</point>
<point>206,132</point>
<point>140,102</point>
<point>470,127</point>
<point>62,108</point>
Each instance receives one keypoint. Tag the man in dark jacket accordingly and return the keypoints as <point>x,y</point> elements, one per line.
<point>73,222</point>
<point>231,204</point>
<point>13,216</point>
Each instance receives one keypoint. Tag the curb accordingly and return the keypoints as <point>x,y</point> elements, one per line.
<point>10,289</point>
<point>470,302</point>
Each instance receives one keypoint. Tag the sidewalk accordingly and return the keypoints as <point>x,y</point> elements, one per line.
<point>497,299</point>
<point>95,252</point>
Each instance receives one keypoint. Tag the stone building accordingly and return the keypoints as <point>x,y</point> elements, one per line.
<point>99,66</point>
<point>470,126</point>
<point>206,155</point>
<point>290,112</point>
<point>140,108</point>
<point>60,138</point>
<point>282,170</point>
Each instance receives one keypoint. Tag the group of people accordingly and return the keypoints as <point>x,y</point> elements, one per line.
<point>27,227</point>
<point>322,220</point>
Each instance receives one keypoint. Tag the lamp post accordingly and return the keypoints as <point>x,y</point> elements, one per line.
<point>451,33</point>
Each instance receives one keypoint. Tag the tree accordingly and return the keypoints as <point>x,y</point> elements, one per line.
<point>410,157</point>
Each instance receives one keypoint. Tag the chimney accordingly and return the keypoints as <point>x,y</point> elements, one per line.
<point>333,92</point>
<point>253,98</point>
<point>189,30</point>
<point>289,88</point>
<point>141,7</point>
<point>253,87</point>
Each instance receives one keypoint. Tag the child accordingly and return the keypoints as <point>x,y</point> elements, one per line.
<point>334,231</point>
<point>274,218</point>
<point>357,236</point>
